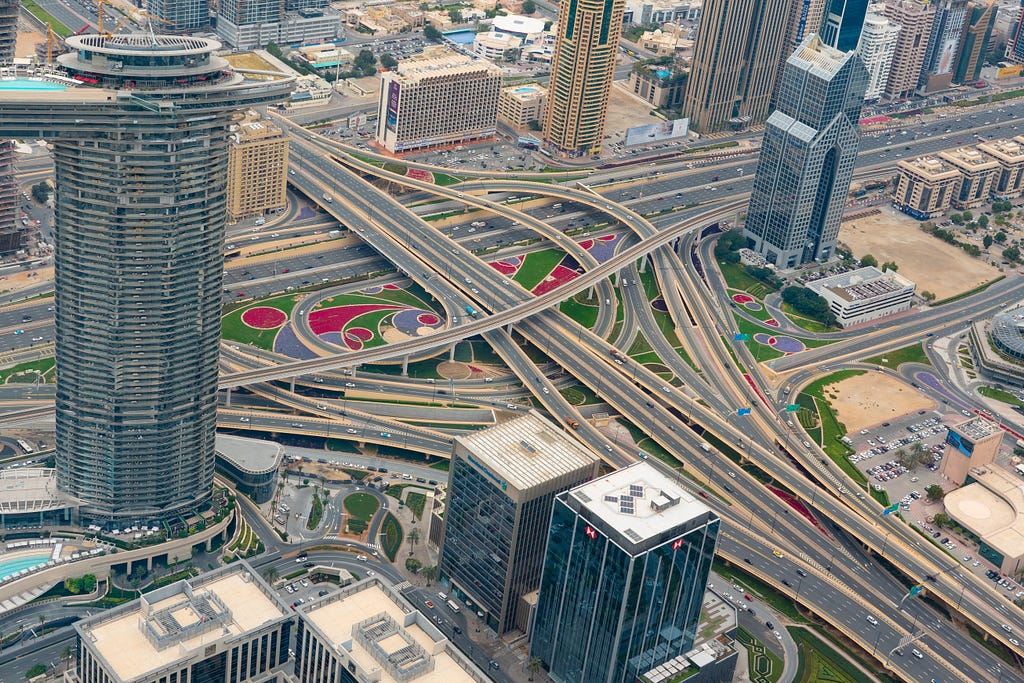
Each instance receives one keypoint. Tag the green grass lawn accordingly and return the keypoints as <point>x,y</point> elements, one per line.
<point>761,352</point>
<point>28,372</point>
<point>416,502</point>
<point>1000,395</point>
<point>537,266</point>
<point>831,428</point>
<point>819,661</point>
<point>584,314</point>
<point>316,513</point>
<point>233,329</point>
<point>764,665</point>
<point>361,505</point>
<point>736,277</point>
<point>391,536</point>
<point>893,359</point>
<point>801,321</point>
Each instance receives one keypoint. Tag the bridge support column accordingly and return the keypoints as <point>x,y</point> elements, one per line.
<point>291,385</point>
<point>149,564</point>
<point>643,265</point>
<point>227,400</point>
<point>451,353</point>
<point>592,292</point>
<point>405,366</point>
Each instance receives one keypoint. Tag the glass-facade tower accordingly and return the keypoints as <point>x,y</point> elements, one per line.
<point>625,569</point>
<point>843,22</point>
<point>807,156</point>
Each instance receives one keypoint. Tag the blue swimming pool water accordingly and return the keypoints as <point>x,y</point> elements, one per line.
<point>10,567</point>
<point>26,84</point>
<point>461,37</point>
<point>663,73</point>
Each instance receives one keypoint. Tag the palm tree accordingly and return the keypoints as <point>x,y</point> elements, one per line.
<point>412,537</point>
<point>533,667</point>
<point>271,575</point>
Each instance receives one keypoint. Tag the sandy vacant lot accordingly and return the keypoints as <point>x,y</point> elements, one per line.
<point>626,110</point>
<point>934,265</point>
<point>25,43</point>
<point>872,398</point>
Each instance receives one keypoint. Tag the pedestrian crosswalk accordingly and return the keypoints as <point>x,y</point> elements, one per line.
<point>402,586</point>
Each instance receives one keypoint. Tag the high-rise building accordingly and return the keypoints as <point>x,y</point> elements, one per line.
<point>182,15</point>
<point>914,18</point>
<point>139,262</point>
<point>10,234</point>
<point>842,23</point>
<point>8,29</point>
<point>732,79</point>
<point>582,68</point>
<point>626,565</point>
<point>943,43</point>
<point>241,12</point>
<point>438,97</point>
<point>500,488</point>
<point>227,624</point>
<point>805,16</point>
<point>1015,43</point>
<point>876,48</point>
<point>981,18</point>
<point>257,167</point>
<point>807,156</point>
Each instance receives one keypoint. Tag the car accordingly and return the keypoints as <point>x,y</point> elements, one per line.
<point>748,597</point>
<point>777,634</point>
<point>871,620</point>
<point>19,332</point>
<point>361,558</point>
<point>801,572</point>
<point>776,553</point>
<point>1006,627</point>
<point>917,653</point>
<point>243,419</point>
<point>430,604</point>
<point>352,431</point>
<point>350,385</point>
<point>308,565</point>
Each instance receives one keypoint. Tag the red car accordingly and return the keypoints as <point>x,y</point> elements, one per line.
<point>430,604</point>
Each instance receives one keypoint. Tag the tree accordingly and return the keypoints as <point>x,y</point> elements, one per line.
<point>890,265</point>
<point>983,221</point>
<point>534,125</point>
<point>1011,254</point>
<point>1001,237</point>
<point>934,493</point>
<point>967,216</point>
<point>35,670</point>
<point>413,565</point>
<point>431,33</point>
<point>927,296</point>
<point>529,7</point>
<point>68,653</point>
<point>533,667</point>
<point>923,455</point>
<point>41,192</point>
<point>809,304</point>
<point>455,15</point>
<point>908,459</point>
<point>387,61</point>
<point>271,575</point>
<point>412,537</point>
<point>429,573</point>
<point>957,219</point>
<point>987,241</point>
<point>868,260</point>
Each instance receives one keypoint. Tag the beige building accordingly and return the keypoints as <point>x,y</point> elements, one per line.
<point>665,91</point>
<point>257,168</point>
<point>667,40</point>
<point>370,632</point>
<point>582,68</point>
<point>438,97</point>
<point>1009,154</point>
<point>915,19</point>
<point>972,443</point>
<point>732,79</point>
<point>977,172</point>
<point>991,506</point>
<point>925,187</point>
<point>520,104</point>
<point>224,624</point>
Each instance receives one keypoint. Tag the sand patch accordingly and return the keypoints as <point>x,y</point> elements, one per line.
<point>872,398</point>
<point>934,265</point>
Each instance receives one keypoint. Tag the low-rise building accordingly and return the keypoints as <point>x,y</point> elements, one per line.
<point>976,174</point>
<point>520,104</point>
<point>251,464</point>
<point>991,506</point>
<point>997,347</point>
<point>497,46</point>
<point>326,56</point>
<point>257,167</point>
<point>1009,154</point>
<point>864,294</point>
<point>438,97</point>
<point>661,86</point>
<point>667,40</point>
<point>925,187</point>
<point>971,443</point>
<point>714,654</point>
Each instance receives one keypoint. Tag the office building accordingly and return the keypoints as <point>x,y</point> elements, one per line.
<point>997,348</point>
<point>302,27</point>
<point>731,81</point>
<point>139,266</point>
<point>518,105</point>
<point>438,97</point>
<point>807,156</point>
<point>582,68</point>
<point>864,294</point>
<point>625,569</point>
<point>977,172</point>
<point>925,186</point>
<point>500,488</point>
<point>8,29</point>
<point>971,443</point>
<point>990,506</point>
<point>1009,154</point>
<point>877,47</point>
<point>943,44</point>
<point>181,15</point>
<point>805,17</point>
<point>914,18</point>
<point>227,624</point>
<point>257,167</point>
<point>842,24</point>
<point>981,18</point>
<point>368,632</point>
<point>1015,44</point>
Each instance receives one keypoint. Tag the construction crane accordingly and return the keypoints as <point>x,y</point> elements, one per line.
<point>132,15</point>
<point>52,40</point>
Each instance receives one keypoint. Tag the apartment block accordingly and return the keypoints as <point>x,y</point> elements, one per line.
<point>1009,154</point>
<point>978,25</point>
<point>925,187</point>
<point>915,18</point>
<point>520,104</point>
<point>977,172</point>
<point>805,17</point>
<point>438,97</point>
<point>943,45</point>
<point>877,46</point>
<point>257,168</point>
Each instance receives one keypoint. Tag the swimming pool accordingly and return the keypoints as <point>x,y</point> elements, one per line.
<point>663,73</point>
<point>26,84</point>
<point>9,568</point>
<point>463,37</point>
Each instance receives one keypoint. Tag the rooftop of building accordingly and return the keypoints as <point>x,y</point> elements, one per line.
<point>177,622</point>
<point>638,501</point>
<point>1007,328</point>
<point>383,634</point>
<point>253,127</point>
<point>968,158</point>
<point>862,284</point>
<point>977,428</point>
<point>438,60</point>
<point>519,25</point>
<point>32,489</point>
<point>1011,149</point>
<point>525,91</point>
<point>817,54</point>
<point>527,451</point>
<point>992,507</point>
<point>717,620</point>
<point>250,455</point>
<point>929,167</point>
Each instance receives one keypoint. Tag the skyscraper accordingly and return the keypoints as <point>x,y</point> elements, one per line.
<point>625,569</point>
<point>807,156</point>
<point>842,25</point>
<point>981,17</point>
<point>10,234</point>
<point>736,56</point>
<point>805,17</point>
<point>1015,44</point>
<point>943,43</point>
<point>182,15</point>
<point>582,68</point>
<point>876,48</point>
<point>141,169</point>
<point>8,29</point>
<point>915,20</point>
<point>500,488</point>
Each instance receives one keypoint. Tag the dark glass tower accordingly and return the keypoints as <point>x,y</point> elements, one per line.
<point>807,156</point>
<point>843,22</point>
<point>625,570</point>
<point>140,151</point>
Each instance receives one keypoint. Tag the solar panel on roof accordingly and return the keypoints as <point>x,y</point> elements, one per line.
<point>636,490</point>
<point>611,499</point>
<point>626,507</point>
<point>626,499</point>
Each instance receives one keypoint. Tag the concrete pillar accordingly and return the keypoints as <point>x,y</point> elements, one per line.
<point>291,386</point>
<point>643,265</point>
<point>149,564</point>
<point>227,401</point>
<point>405,365</point>
<point>451,353</point>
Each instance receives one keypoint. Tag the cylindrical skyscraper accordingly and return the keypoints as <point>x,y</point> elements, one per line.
<point>141,174</point>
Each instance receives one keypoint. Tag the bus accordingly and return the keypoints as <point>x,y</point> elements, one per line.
<point>453,606</point>
<point>24,446</point>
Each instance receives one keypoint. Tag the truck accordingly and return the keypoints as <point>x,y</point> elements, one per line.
<point>471,311</point>
<point>572,423</point>
<point>617,355</point>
